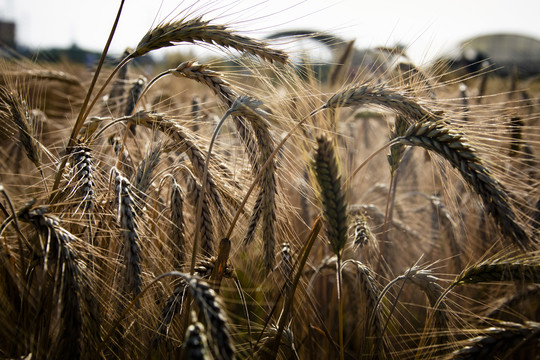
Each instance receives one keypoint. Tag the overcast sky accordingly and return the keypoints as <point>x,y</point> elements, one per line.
<point>428,27</point>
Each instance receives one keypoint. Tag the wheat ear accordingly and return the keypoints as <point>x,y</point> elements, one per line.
<point>81,321</point>
<point>216,320</point>
<point>145,170</point>
<point>206,229</point>
<point>248,108</point>
<point>82,157</point>
<point>370,288</point>
<point>497,341</point>
<point>332,197</point>
<point>398,101</point>
<point>177,230</point>
<point>132,248</point>
<point>185,143</point>
<point>197,30</point>
<point>438,137</point>
<point>47,75</point>
<point>214,80</point>
<point>195,344</point>
<point>14,107</point>
<point>527,270</point>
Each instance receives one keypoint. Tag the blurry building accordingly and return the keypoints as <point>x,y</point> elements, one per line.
<point>7,34</point>
<point>503,52</point>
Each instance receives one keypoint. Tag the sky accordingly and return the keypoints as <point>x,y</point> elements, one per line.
<point>429,28</point>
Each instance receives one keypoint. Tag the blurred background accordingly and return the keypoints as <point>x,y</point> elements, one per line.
<point>504,31</point>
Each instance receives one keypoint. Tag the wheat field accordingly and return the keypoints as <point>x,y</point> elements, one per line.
<point>257,208</point>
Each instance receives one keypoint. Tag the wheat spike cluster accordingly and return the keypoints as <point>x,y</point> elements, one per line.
<point>243,205</point>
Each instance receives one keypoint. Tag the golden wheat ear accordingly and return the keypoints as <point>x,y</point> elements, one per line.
<point>454,147</point>
<point>334,207</point>
<point>197,30</point>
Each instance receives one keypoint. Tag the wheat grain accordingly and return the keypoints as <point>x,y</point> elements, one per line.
<point>196,345</point>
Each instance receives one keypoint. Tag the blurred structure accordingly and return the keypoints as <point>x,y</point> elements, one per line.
<point>373,62</point>
<point>502,52</point>
<point>7,34</point>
